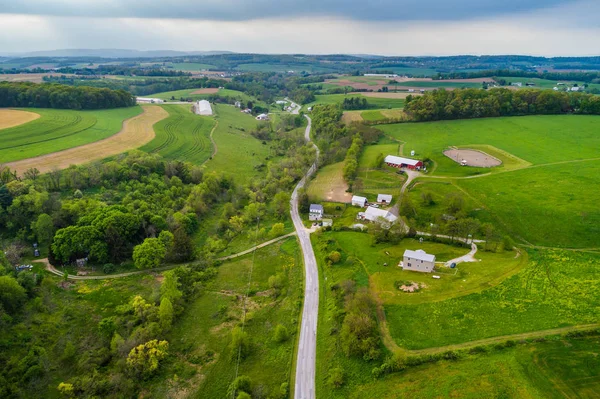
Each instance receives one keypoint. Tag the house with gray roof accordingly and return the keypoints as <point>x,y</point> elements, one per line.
<point>315,212</point>
<point>418,261</point>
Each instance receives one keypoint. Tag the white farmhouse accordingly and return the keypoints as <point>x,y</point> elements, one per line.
<point>315,212</point>
<point>418,261</point>
<point>359,201</point>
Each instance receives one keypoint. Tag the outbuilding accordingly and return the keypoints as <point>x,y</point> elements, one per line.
<point>203,108</point>
<point>315,212</point>
<point>359,201</point>
<point>384,198</point>
<point>418,261</point>
<point>401,162</point>
<point>374,214</point>
<point>262,117</point>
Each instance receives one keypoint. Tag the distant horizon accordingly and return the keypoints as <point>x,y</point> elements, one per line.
<point>184,53</point>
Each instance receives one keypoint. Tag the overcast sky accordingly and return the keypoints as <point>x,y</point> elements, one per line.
<point>386,27</point>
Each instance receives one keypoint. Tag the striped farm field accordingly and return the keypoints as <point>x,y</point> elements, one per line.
<point>135,132</point>
<point>183,136</point>
<point>15,117</point>
<point>57,130</point>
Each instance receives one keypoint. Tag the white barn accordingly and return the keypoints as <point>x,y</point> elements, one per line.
<point>203,108</point>
<point>373,215</point>
<point>146,100</point>
<point>359,201</point>
<point>418,261</point>
<point>384,198</point>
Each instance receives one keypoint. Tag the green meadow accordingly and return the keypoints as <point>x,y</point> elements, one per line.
<point>238,152</point>
<point>200,340</point>
<point>183,136</point>
<point>556,289</point>
<point>58,130</point>
<point>191,66</point>
<point>374,102</point>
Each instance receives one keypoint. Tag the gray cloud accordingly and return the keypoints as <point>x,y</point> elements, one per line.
<point>241,10</point>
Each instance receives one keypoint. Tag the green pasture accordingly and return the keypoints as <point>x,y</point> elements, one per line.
<point>238,153</point>
<point>560,368</point>
<point>533,139</point>
<point>555,205</point>
<point>433,84</point>
<point>374,102</point>
<point>283,68</point>
<point>183,136</point>
<point>58,130</point>
<point>187,93</point>
<point>547,84</point>
<point>328,179</point>
<point>556,289</point>
<point>200,339</point>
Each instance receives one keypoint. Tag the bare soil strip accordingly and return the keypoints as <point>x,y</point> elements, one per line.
<point>136,132</point>
<point>15,117</point>
<point>473,158</point>
<point>206,91</point>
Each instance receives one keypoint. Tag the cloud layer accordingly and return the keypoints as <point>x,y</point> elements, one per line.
<point>387,28</point>
<point>244,10</point>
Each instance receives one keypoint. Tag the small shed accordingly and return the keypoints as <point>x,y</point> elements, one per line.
<point>262,117</point>
<point>359,201</point>
<point>315,212</point>
<point>384,198</point>
<point>327,222</point>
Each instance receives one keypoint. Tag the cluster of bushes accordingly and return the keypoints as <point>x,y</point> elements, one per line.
<point>479,103</point>
<point>355,103</point>
<point>25,94</point>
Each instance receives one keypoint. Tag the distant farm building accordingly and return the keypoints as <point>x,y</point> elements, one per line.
<point>262,117</point>
<point>359,201</point>
<point>145,100</point>
<point>315,212</point>
<point>376,215</point>
<point>418,261</point>
<point>238,104</point>
<point>203,108</point>
<point>380,75</point>
<point>400,162</point>
<point>384,198</point>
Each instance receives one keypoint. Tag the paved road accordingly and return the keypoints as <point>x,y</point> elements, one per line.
<point>307,344</point>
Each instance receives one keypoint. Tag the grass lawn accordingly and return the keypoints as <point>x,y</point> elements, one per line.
<point>238,152</point>
<point>551,206</point>
<point>58,130</point>
<point>188,93</point>
<point>329,185</point>
<point>201,337</point>
<point>559,368</point>
<point>534,139</point>
<point>183,136</point>
<point>556,289</point>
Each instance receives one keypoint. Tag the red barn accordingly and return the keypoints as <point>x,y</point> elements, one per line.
<point>400,162</point>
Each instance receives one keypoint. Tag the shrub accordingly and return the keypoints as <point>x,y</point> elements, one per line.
<point>109,268</point>
<point>281,333</point>
<point>336,377</point>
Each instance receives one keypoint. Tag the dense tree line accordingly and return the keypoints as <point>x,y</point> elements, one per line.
<point>24,94</point>
<point>334,137</point>
<point>354,103</point>
<point>351,161</point>
<point>139,87</point>
<point>479,103</point>
<point>589,77</point>
<point>122,70</point>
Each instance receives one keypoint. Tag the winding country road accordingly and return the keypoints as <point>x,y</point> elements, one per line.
<point>307,343</point>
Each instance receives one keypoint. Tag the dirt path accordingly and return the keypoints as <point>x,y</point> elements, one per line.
<point>136,132</point>
<point>470,257</point>
<point>503,338</point>
<point>53,270</point>
<point>214,144</point>
<point>14,117</point>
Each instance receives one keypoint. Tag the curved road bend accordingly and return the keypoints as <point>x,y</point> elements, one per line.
<point>307,344</point>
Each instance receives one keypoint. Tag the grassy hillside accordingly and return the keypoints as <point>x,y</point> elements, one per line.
<point>183,136</point>
<point>238,152</point>
<point>58,130</point>
<point>374,102</point>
